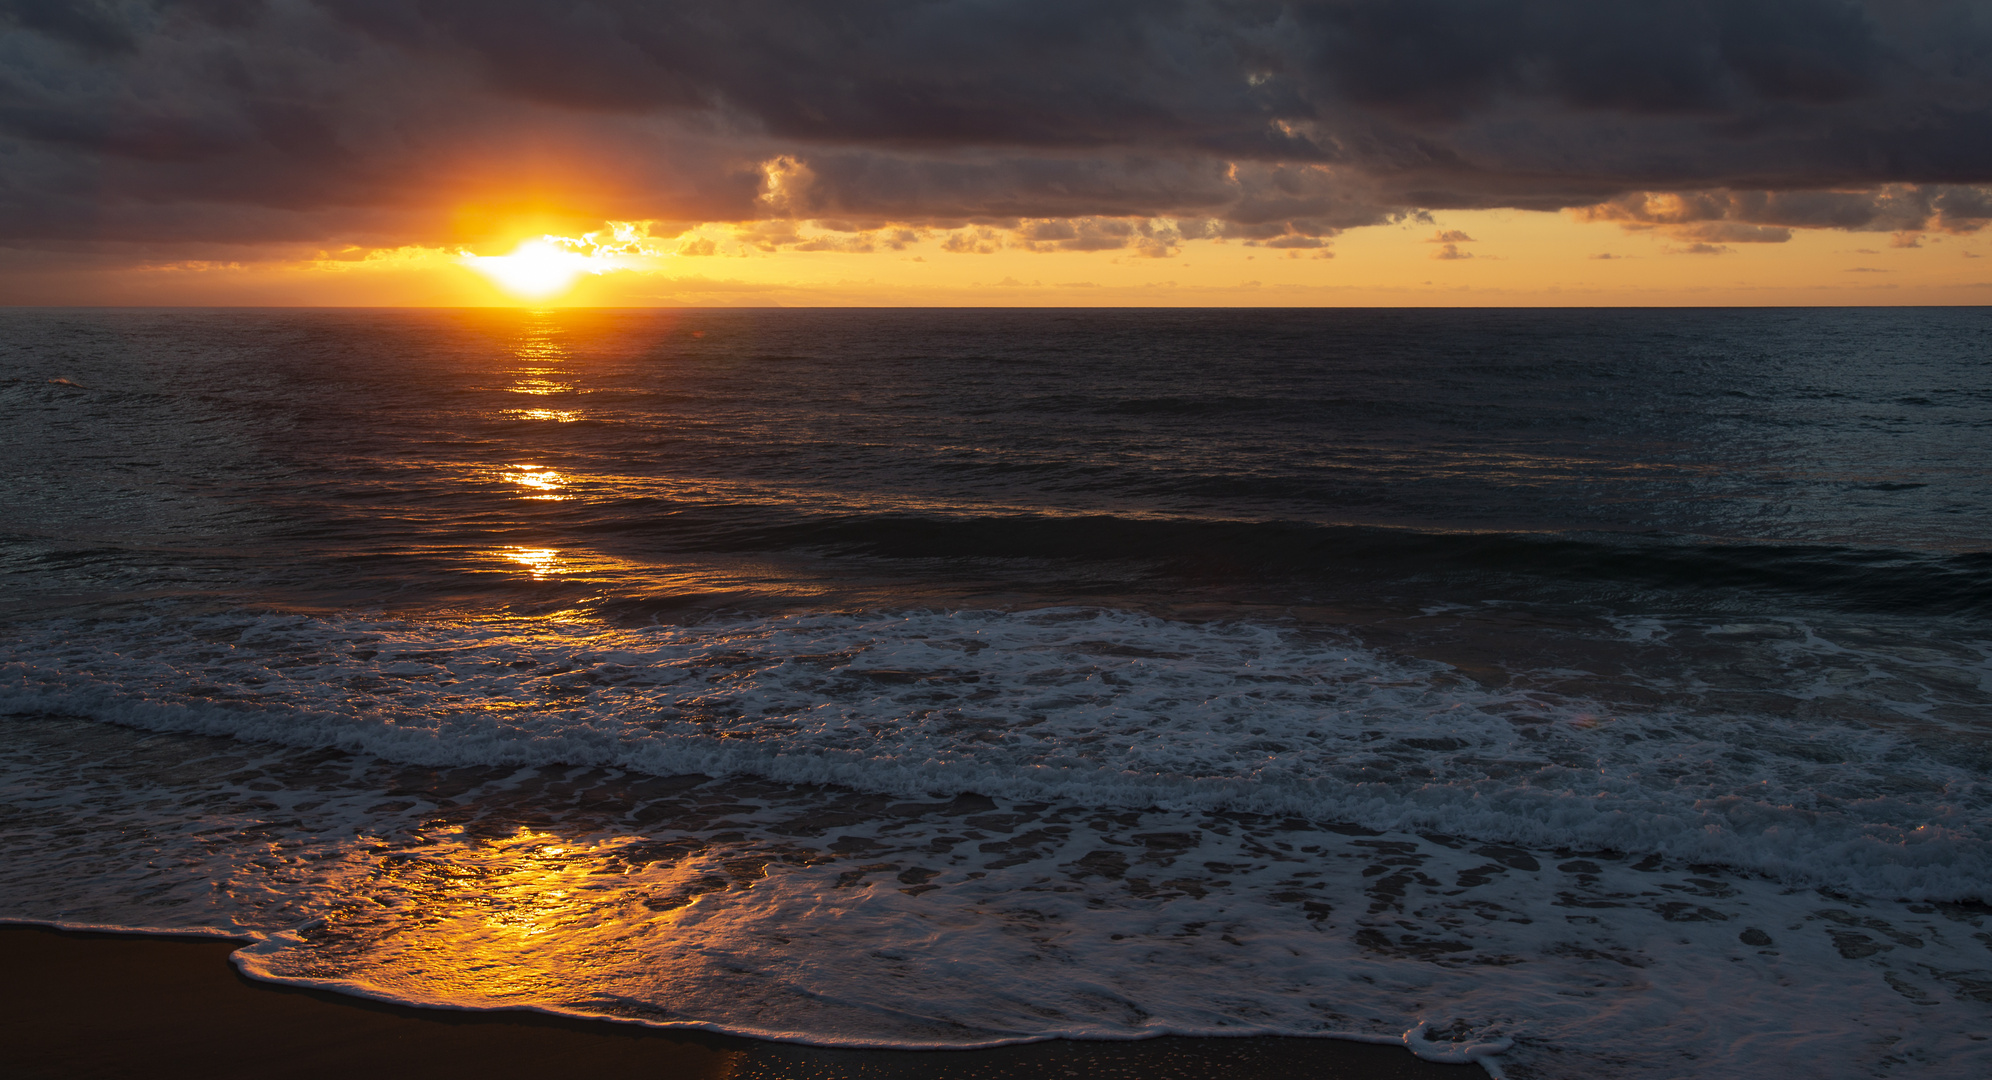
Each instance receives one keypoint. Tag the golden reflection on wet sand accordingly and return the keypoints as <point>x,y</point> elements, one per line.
<point>526,917</point>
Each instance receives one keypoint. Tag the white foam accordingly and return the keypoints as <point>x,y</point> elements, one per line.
<point>1097,707</point>
<point>833,917</point>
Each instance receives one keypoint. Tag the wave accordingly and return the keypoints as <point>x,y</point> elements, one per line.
<point>1095,707</point>
<point>1840,576</point>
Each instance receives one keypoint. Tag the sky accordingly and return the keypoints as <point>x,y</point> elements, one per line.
<point>969,152</point>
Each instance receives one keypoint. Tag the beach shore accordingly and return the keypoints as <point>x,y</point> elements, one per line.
<point>81,1005</point>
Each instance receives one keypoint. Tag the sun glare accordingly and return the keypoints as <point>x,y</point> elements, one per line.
<point>537,269</point>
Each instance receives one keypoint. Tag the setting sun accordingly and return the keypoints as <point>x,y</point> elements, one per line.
<point>537,269</point>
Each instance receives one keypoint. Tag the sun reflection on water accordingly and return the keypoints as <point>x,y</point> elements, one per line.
<point>538,478</point>
<point>541,357</point>
<point>543,562</point>
<point>469,918</point>
<point>541,387</point>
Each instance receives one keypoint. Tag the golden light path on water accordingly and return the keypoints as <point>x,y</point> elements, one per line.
<point>545,483</point>
<point>540,562</point>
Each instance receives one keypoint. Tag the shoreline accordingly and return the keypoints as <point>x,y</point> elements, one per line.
<point>96,1003</point>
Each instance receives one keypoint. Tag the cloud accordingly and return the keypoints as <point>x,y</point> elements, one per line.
<point>1054,125</point>
<point>1769,216</point>
<point>855,240</point>
<point>976,241</point>
<point>1449,241</point>
<point>1732,232</point>
<point>1096,234</point>
<point>85,26</point>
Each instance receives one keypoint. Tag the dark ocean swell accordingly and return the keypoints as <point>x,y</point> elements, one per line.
<point>1614,684</point>
<point>1307,557</point>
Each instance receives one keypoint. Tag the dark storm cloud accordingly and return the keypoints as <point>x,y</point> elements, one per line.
<point>87,26</point>
<point>1261,120</point>
<point>1440,59</point>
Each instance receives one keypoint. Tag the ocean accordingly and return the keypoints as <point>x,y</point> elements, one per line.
<point>1585,693</point>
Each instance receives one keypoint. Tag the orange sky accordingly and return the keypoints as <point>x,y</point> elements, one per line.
<point>1507,257</point>
<point>326,152</point>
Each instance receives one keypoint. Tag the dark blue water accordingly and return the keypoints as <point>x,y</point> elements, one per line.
<point>1622,594</point>
<point>1838,454</point>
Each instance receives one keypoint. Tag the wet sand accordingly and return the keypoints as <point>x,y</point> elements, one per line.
<point>109,1005</point>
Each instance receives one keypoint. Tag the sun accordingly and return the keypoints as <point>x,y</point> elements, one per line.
<point>538,269</point>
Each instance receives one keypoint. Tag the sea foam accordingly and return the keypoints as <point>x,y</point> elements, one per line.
<point>1098,707</point>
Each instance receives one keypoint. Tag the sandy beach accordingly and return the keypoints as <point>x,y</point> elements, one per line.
<point>90,1005</point>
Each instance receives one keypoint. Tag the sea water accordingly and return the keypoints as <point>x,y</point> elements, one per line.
<point>1589,694</point>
